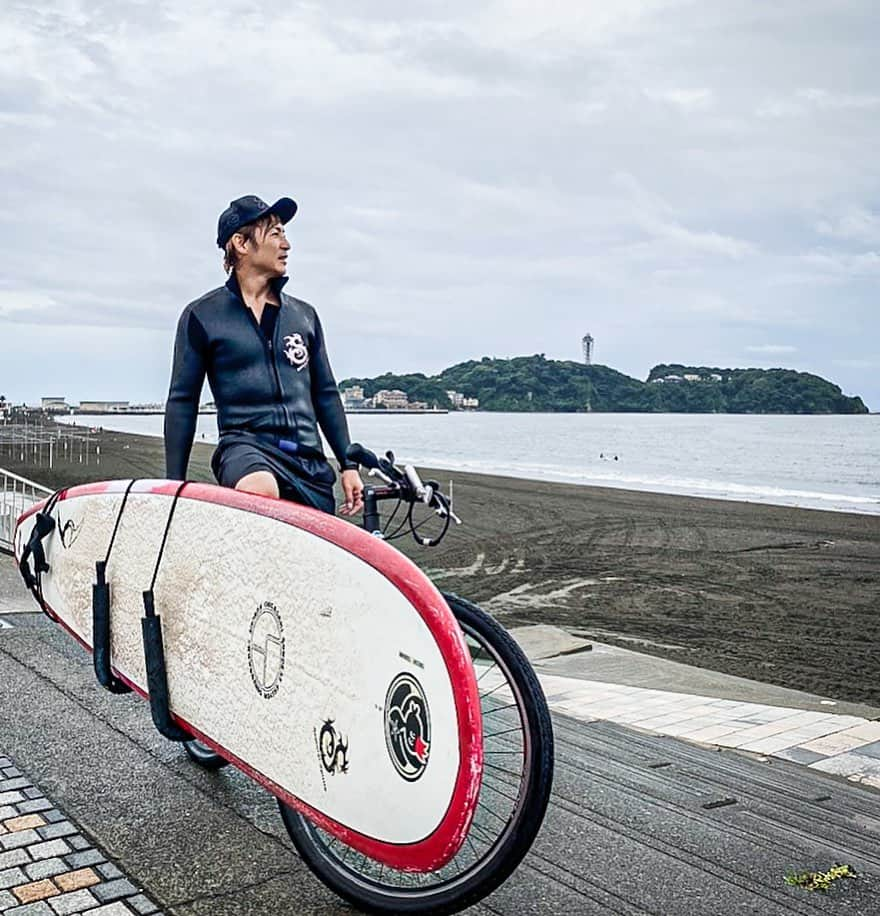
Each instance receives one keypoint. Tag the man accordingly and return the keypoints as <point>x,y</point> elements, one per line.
<point>264,355</point>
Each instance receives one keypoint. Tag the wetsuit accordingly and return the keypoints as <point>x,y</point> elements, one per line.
<point>273,386</point>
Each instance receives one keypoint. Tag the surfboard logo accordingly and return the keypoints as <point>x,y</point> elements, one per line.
<point>334,750</point>
<point>68,532</point>
<point>296,351</point>
<point>407,726</point>
<point>266,650</point>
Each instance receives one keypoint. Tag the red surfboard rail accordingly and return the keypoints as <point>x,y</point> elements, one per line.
<point>435,850</point>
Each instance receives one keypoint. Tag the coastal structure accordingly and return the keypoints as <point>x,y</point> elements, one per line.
<point>353,398</point>
<point>587,344</point>
<point>54,405</point>
<point>392,398</point>
<point>103,406</point>
<point>458,400</point>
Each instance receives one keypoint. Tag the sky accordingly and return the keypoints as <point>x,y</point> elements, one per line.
<point>689,182</point>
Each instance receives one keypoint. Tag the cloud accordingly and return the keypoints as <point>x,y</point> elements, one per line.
<point>856,224</point>
<point>771,349</point>
<point>495,176</point>
<point>24,305</point>
<point>689,100</point>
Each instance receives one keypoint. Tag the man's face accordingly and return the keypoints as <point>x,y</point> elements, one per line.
<point>267,252</point>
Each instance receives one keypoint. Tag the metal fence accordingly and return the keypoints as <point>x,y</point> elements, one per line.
<point>42,444</point>
<point>16,495</point>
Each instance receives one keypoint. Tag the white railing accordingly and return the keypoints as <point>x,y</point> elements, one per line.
<point>16,495</point>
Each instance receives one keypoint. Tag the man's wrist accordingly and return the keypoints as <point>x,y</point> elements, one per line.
<point>348,466</point>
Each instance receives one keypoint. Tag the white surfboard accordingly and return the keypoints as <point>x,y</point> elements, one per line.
<point>317,658</point>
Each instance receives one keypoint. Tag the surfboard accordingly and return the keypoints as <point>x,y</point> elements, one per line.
<point>315,657</point>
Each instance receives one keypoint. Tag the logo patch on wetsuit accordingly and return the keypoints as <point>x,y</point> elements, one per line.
<point>296,351</point>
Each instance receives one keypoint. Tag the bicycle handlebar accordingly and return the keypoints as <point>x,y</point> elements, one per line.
<point>405,484</point>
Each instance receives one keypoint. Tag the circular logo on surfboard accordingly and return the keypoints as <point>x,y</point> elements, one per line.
<point>407,726</point>
<point>266,650</point>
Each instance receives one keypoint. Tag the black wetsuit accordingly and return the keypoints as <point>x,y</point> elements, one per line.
<point>273,386</point>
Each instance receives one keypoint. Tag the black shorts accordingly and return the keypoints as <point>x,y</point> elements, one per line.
<point>306,479</point>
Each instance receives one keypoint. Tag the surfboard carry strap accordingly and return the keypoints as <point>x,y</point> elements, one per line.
<point>154,651</point>
<point>101,614</point>
<point>44,525</point>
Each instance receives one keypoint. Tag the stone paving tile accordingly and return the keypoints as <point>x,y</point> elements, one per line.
<point>40,908</point>
<point>12,877</point>
<point>111,909</point>
<point>46,864</point>
<point>850,764</point>
<point>36,890</point>
<point>799,755</point>
<point>836,743</point>
<point>142,905</point>
<point>73,902</point>
<point>19,838</point>
<point>75,880</point>
<point>84,858</point>
<point>25,822</point>
<point>846,745</point>
<point>872,749</point>
<point>13,857</point>
<point>114,890</point>
<point>49,849</point>
<point>34,804</point>
<point>46,868</point>
<point>55,831</point>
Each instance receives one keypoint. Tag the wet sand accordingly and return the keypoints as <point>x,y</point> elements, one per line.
<point>787,596</point>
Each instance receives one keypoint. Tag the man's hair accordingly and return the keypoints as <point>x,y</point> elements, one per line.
<point>249,232</point>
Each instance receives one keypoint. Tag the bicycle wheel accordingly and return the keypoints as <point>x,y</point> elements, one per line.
<point>203,755</point>
<point>517,777</point>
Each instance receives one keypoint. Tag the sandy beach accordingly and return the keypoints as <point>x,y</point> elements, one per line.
<point>787,596</point>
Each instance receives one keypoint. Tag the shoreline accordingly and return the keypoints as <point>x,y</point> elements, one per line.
<point>729,491</point>
<point>776,594</point>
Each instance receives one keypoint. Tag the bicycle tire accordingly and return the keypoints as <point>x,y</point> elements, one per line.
<point>204,756</point>
<point>451,895</point>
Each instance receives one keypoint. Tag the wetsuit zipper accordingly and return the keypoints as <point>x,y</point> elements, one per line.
<point>273,355</point>
<point>269,350</point>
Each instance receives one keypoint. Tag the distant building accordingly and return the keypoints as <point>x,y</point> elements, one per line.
<point>54,405</point>
<point>391,398</point>
<point>460,402</point>
<point>716,377</point>
<point>693,378</point>
<point>587,344</point>
<point>353,397</point>
<point>103,406</point>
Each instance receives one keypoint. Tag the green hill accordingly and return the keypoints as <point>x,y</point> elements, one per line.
<point>534,383</point>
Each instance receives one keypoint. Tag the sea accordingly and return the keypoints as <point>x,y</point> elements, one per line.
<point>819,462</point>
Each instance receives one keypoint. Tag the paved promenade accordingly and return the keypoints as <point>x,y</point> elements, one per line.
<point>642,822</point>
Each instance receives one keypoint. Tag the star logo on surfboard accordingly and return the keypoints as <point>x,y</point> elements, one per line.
<point>407,726</point>
<point>266,650</point>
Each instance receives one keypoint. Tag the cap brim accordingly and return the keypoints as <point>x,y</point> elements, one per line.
<point>284,208</point>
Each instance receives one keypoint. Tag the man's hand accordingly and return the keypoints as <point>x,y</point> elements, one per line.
<point>353,490</point>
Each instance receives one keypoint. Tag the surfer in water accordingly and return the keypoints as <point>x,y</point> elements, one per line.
<point>264,356</point>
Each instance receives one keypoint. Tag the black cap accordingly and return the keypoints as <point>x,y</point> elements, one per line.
<point>247,210</point>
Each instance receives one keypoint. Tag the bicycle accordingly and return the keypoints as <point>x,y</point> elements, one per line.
<point>517,744</point>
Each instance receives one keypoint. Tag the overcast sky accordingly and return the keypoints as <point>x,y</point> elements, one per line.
<point>693,182</point>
